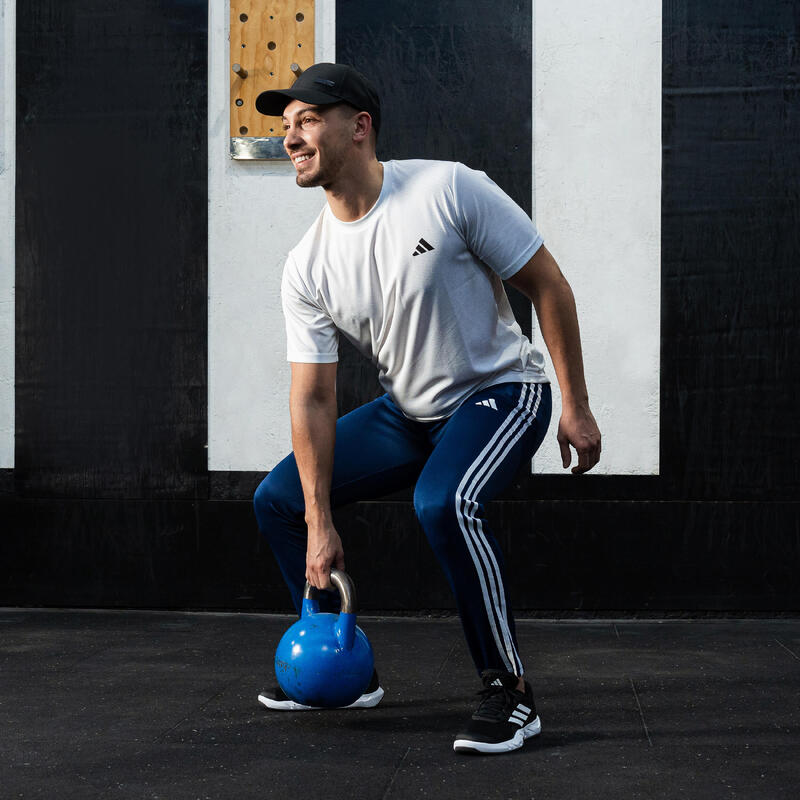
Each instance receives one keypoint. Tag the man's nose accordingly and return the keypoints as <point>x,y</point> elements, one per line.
<point>291,137</point>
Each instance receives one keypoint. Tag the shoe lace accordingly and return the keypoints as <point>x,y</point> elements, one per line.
<point>495,699</point>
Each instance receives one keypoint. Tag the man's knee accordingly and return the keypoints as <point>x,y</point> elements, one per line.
<point>437,510</point>
<point>272,501</point>
<point>263,501</point>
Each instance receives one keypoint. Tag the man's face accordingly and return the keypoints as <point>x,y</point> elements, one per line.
<point>318,140</point>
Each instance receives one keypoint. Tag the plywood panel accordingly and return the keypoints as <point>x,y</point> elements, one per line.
<point>266,38</point>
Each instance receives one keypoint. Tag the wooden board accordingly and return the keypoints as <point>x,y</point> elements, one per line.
<point>266,38</point>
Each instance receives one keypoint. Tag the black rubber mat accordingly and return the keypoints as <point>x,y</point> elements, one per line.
<point>114,704</point>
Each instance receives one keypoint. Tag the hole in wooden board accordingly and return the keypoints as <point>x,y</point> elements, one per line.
<point>271,45</point>
<point>243,130</point>
<point>243,17</point>
<point>299,16</point>
<point>239,101</point>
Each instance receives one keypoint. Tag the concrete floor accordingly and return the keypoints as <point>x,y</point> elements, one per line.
<point>112,704</point>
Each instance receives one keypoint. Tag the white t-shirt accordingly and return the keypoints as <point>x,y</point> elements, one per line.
<point>416,285</point>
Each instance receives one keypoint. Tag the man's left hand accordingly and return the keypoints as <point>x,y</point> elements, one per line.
<point>578,428</point>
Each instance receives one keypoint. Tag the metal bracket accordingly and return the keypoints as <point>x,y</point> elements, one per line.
<point>252,148</point>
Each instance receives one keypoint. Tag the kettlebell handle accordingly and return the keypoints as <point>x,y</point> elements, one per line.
<point>347,590</point>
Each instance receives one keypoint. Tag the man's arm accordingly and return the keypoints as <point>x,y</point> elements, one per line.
<point>312,403</point>
<point>542,282</point>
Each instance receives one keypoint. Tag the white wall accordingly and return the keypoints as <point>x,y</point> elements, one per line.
<point>597,195</point>
<point>597,201</point>
<point>8,51</point>
<point>256,215</point>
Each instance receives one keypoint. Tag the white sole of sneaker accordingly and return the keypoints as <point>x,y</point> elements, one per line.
<point>514,743</point>
<point>365,701</point>
<point>368,700</point>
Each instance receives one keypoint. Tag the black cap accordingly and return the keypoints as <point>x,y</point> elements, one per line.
<point>323,84</point>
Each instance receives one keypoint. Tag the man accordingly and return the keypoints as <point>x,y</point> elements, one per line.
<point>407,261</point>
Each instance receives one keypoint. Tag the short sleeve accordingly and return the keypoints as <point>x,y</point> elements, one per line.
<point>311,336</point>
<point>493,226</point>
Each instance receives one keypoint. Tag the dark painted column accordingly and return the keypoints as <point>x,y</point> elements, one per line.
<point>455,81</point>
<point>731,250</point>
<point>111,317</point>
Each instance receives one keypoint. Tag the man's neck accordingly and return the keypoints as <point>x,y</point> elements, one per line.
<point>354,195</point>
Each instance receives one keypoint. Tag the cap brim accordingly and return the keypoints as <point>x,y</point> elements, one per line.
<point>273,102</point>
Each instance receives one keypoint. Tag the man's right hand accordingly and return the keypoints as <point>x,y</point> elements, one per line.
<point>324,551</point>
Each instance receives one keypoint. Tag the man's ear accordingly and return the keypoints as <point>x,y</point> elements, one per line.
<point>362,126</point>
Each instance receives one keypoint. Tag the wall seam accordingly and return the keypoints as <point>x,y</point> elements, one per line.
<point>8,167</point>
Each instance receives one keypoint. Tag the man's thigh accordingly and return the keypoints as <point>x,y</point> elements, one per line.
<point>377,451</point>
<point>480,448</point>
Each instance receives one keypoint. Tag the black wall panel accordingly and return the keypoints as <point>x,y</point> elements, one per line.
<point>111,248</point>
<point>731,250</point>
<point>564,557</point>
<point>455,81</point>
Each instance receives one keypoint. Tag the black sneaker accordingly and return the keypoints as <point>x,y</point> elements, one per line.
<point>277,700</point>
<point>505,717</point>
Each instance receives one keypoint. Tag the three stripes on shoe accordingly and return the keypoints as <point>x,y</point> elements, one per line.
<point>519,714</point>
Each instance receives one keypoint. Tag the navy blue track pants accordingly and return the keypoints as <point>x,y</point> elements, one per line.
<point>457,464</point>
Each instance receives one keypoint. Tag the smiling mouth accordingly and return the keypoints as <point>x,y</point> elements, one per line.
<point>301,159</point>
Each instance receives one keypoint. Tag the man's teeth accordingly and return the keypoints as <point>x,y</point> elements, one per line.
<point>300,159</point>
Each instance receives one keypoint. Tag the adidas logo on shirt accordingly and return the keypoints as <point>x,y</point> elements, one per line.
<point>488,403</point>
<point>422,247</point>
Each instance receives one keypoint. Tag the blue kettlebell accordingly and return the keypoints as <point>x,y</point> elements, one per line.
<point>325,659</point>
